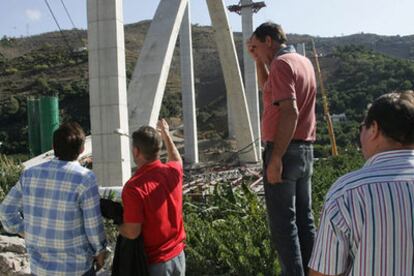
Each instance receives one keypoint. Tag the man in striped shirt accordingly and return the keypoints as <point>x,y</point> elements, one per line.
<point>367,223</point>
<point>55,206</point>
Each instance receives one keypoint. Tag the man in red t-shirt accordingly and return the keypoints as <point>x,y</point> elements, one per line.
<point>152,201</point>
<point>287,81</point>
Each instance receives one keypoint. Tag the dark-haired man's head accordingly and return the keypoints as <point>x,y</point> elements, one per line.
<point>389,123</point>
<point>272,30</point>
<point>68,141</point>
<point>266,40</point>
<point>147,143</point>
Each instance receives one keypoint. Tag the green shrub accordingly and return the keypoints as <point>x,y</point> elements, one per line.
<point>40,67</point>
<point>227,234</point>
<point>327,171</point>
<point>11,71</point>
<point>9,174</point>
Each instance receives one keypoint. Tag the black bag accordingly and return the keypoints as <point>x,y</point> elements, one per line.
<point>129,257</point>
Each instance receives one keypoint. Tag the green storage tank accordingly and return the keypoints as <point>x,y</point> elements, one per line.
<point>33,120</point>
<point>49,120</point>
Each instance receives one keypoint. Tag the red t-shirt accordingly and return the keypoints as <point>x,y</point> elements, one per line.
<point>153,197</point>
<point>291,76</point>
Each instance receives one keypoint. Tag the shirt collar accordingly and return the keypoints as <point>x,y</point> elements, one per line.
<point>286,50</point>
<point>389,155</point>
<point>57,160</point>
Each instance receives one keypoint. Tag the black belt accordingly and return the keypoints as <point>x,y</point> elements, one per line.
<point>296,141</point>
<point>293,141</point>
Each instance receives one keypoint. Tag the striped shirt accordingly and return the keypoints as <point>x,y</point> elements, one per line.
<point>62,223</point>
<point>367,223</point>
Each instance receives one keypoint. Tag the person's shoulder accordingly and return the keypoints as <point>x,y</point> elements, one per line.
<point>37,169</point>
<point>174,165</point>
<point>282,63</point>
<point>347,182</point>
<point>78,171</point>
<point>138,182</point>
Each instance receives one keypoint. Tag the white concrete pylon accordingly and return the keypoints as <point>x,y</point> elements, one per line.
<point>107,92</point>
<point>146,89</point>
<point>237,103</point>
<point>250,76</point>
<point>300,49</point>
<point>188,91</point>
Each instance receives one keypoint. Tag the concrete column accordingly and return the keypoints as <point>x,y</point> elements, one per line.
<point>107,92</point>
<point>300,49</point>
<point>250,76</point>
<point>234,84</point>
<point>188,91</point>
<point>146,89</point>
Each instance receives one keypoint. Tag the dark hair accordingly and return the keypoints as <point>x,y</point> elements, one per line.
<point>68,141</point>
<point>394,114</point>
<point>271,29</point>
<point>148,141</point>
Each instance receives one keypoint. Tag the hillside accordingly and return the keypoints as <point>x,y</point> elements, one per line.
<point>46,64</point>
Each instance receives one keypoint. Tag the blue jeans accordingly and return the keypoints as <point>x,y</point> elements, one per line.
<point>173,267</point>
<point>289,208</point>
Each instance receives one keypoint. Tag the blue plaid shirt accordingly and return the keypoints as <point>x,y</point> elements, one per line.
<point>62,223</point>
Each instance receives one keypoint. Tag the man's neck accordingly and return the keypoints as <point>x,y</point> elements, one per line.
<point>142,162</point>
<point>391,147</point>
<point>276,49</point>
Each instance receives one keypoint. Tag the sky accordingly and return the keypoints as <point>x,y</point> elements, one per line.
<point>325,18</point>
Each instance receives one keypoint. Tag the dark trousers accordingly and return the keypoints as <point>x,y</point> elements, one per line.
<point>289,208</point>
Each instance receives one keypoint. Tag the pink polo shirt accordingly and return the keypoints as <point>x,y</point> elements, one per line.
<point>291,76</point>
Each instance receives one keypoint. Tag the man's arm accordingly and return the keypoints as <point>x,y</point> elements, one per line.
<point>92,217</point>
<point>173,154</point>
<point>284,132</point>
<point>333,236</point>
<point>133,215</point>
<point>262,74</point>
<point>11,209</point>
<point>130,230</point>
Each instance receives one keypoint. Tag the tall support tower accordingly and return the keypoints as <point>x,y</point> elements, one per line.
<point>107,92</point>
<point>246,8</point>
<point>188,91</point>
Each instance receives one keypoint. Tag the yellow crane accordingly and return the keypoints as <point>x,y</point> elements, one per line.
<point>325,104</point>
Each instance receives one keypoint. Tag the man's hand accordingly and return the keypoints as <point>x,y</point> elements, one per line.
<point>274,170</point>
<point>163,127</point>
<point>251,49</point>
<point>100,260</point>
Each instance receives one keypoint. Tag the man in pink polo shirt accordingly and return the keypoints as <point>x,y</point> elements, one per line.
<point>287,81</point>
<point>153,201</point>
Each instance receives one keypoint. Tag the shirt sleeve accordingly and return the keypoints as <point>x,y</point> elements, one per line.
<point>282,81</point>
<point>92,217</point>
<point>330,253</point>
<point>133,205</point>
<point>11,210</point>
<point>176,169</point>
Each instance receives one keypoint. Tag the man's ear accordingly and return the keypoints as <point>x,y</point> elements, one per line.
<point>135,151</point>
<point>268,41</point>
<point>82,149</point>
<point>374,131</point>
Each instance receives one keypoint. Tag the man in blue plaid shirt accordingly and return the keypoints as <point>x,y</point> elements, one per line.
<point>55,207</point>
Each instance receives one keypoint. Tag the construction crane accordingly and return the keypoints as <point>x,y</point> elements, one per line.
<point>325,104</point>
